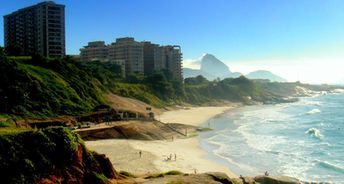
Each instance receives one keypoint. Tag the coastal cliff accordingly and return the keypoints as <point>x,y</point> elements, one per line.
<point>52,155</point>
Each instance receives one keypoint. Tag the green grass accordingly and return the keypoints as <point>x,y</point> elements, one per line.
<point>174,172</point>
<point>139,92</point>
<point>127,174</point>
<point>5,120</point>
<point>176,182</point>
<point>5,123</point>
<point>10,130</point>
<point>159,175</point>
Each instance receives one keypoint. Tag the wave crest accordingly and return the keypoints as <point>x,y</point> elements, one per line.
<point>331,166</point>
<point>314,111</point>
<point>314,133</point>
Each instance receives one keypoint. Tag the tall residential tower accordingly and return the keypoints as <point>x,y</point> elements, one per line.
<point>38,29</point>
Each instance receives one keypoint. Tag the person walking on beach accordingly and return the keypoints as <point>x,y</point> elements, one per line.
<point>175,157</point>
<point>266,173</point>
<point>140,153</point>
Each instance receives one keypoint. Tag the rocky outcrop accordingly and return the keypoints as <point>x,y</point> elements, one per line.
<point>139,130</point>
<point>105,165</point>
<point>221,178</point>
<point>276,180</point>
<point>87,167</point>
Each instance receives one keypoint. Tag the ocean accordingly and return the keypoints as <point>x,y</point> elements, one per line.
<point>304,139</point>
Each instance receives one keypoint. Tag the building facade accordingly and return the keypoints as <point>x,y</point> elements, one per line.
<point>130,51</point>
<point>94,51</point>
<point>154,57</point>
<point>174,58</point>
<point>38,29</point>
<point>139,57</point>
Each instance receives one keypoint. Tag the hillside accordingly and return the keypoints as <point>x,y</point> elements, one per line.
<point>35,87</point>
<point>38,87</point>
<point>263,74</point>
<point>59,156</point>
<point>188,72</point>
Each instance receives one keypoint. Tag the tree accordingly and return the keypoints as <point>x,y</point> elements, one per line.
<point>134,78</point>
<point>160,84</point>
<point>196,80</point>
<point>14,50</point>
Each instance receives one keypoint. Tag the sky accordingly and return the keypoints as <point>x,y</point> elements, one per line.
<point>299,40</point>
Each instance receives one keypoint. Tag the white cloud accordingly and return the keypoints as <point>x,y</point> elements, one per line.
<point>307,70</point>
<point>194,64</point>
<point>317,70</point>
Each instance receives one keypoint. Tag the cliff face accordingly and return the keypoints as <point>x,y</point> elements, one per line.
<point>52,155</point>
<point>84,169</point>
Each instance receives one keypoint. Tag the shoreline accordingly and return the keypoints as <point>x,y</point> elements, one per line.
<point>190,157</point>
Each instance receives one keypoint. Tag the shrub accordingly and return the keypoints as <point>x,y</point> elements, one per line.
<point>127,174</point>
<point>174,172</point>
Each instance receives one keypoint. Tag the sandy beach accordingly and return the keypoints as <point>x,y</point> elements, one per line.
<point>195,116</point>
<point>186,154</point>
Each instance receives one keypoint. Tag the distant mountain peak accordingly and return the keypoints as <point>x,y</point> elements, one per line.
<point>212,65</point>
<point>208,56</point>
<point>211,68</point>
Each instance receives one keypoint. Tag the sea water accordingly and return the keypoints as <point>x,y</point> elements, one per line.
<point>304,139</point>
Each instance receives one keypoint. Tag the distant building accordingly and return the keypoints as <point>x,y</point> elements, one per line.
<point>129,50</point>
<point>154,57</point>
<point>138,57</point>
<point>174,60</point>
<point>38,29</point>
<point>94,51</point>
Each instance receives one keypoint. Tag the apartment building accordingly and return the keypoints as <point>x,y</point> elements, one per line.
<point>94,51</point>
<point>130,51</point>
<point>153,57</point>
<point>138,57</point>
<point>38,29</point>
<point>174,58</point>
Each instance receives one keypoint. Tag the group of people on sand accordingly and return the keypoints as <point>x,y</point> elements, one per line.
<point>170,157</point>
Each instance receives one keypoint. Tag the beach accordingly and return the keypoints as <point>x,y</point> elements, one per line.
<point>185,154</point>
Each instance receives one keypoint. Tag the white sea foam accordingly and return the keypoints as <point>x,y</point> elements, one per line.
<point>314,111</point>
<point>314,133</point>
<point>338,91</point>
<point>315,103</point>
<point>286,140</point>
<point>260,142</point>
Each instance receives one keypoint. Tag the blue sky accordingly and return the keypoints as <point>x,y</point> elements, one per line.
<point>236,31</point>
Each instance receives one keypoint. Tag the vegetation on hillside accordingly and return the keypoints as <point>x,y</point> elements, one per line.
<point>56,156</point>
<point>41,87</point>
<point>200,90</point>
<point>44,87</point>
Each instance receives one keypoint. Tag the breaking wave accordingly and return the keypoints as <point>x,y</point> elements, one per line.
<point>313,132</point>
<point>314,111</point>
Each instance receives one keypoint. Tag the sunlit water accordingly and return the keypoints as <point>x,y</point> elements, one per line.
<point>303,139</point>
